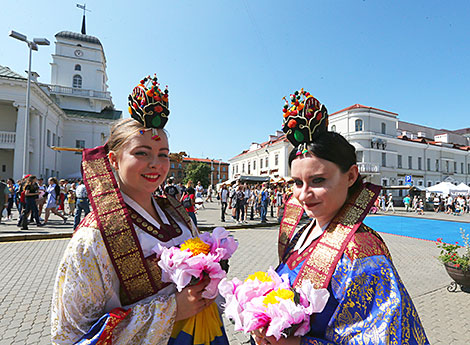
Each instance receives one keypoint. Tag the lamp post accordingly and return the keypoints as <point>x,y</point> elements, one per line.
<point>212,172</point>
<point>33,45</point>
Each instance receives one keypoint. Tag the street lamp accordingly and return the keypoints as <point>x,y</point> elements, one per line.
<point>33,45</point>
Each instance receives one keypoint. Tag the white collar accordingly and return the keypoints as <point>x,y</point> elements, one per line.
<point>304,241</point>
<point>128,200</point>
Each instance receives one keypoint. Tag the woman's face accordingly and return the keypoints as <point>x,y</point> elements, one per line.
<point>320,186</point>
<point>142,163</point>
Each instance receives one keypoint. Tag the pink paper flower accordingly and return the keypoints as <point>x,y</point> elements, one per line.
<point>267,300</point>
<point>196,257</point>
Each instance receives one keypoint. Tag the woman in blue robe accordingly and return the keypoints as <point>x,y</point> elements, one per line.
<point>368,302</point>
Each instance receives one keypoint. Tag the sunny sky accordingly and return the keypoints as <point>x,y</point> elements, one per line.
<point>229,63</point>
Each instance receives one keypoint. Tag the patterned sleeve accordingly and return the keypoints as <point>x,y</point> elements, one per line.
<point>374,306</point>
<point>87,286</point>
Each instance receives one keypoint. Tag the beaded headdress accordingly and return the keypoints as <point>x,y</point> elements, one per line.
<point>304,119</point>
<point>148,104</point>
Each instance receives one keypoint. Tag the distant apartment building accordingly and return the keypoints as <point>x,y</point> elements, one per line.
<point>219,169</point>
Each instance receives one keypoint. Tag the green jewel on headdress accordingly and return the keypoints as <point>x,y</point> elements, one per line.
<point>148,104</point>
<point>304,119</point>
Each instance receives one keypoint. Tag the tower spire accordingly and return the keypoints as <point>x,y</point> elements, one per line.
<point>83,7</point>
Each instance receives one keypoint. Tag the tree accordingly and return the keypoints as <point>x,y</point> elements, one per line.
<point>197,172</point>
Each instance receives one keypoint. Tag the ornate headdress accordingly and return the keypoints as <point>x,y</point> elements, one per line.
<point>304,119</point>
<point>148,104</point>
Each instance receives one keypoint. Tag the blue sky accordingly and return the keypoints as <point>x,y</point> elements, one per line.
<point>229,63</point>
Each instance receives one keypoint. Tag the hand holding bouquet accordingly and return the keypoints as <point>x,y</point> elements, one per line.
<point>266,300</point>
<point>207,254</point>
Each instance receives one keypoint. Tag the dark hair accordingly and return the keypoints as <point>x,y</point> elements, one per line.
<point>333,147</point>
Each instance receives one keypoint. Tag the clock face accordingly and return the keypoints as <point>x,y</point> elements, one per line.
<point>78,53</point>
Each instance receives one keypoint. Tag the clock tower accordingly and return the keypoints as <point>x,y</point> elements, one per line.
<point>78,73</point>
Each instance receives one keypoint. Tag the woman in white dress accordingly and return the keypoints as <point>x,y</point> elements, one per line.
<point>52,200</point>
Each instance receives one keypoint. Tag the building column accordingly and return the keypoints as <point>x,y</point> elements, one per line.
<point>35,137</point>
<point>20,149</point>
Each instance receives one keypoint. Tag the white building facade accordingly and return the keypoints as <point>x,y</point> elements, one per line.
<point>75,110</point>
<point>388,150</point>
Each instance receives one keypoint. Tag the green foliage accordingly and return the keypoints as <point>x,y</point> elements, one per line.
<point>450,252</point>
<point>197,172</point>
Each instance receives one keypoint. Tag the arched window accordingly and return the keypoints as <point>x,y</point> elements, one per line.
<point>384,128</point>
<point>358,125</point>
<point>77,81</point>
<point>333,128</point>
<point>78,67</point>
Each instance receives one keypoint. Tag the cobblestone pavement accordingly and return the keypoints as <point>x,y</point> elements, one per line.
<point>28,268</point>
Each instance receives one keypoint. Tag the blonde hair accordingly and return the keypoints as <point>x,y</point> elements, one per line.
<point>121,131</point>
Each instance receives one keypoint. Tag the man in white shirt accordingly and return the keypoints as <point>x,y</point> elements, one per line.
<point>223,195</point>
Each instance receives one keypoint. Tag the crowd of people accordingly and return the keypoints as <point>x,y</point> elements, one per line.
<point>32,199</point>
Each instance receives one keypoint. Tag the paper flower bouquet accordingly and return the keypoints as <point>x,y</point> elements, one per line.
<point>207,254</point>
<point>266,300</point>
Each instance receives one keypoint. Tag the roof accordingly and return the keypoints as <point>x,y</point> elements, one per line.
<point>78,37</point>
<point>8,73</point>
<point>360,106</point>
<point>264,145</point>
<point>106,114</point>
<point>202,160</point>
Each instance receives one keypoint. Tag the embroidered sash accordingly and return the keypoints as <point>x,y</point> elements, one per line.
<point>293,212</point>
<point>137,275</point>
<point>323,257</point>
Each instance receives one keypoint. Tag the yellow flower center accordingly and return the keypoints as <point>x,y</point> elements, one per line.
<point>281,293</point>
<point>261,276</point>
<point>196,246</point>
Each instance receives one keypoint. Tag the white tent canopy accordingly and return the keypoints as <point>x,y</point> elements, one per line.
<point>448,188</point>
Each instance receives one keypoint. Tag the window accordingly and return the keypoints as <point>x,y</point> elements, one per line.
<point>249,167</point>
<point>77,81</point>
<point>254,164</point>
<point>267,162</point>
<point>53,139</point>
<point>4,168</point>
<point>243,168</point>
<point>172,165</point>
<point>58,141</point>
<point>383,128</point>
<point>399,163</point>
<point>223,176</point>
<point>410,162</point>
<point>47,173</point>
<point>468,168</point>
<point>236,169</point>
<point>455,167</point>
<point>358,125</point>
<point>180,166</point>
<point>385,182</point>
<point>420,183</point>
<point>333,128</point>
<point>359,156</point>
<point>419,163</point>
<point>80,144</point>
<point>223,168</point>
<point>261,164</point>
<point>447,166</point>
<point>276,160</point>
<point>53,173</point>
<point>437,164</point>
<point>429,183</point>
<point>180,174</point>
<point>384,159</point>
<point>78,67</point>
<point>48,138</point>
<point>428,164</point>
<point>461,168</point>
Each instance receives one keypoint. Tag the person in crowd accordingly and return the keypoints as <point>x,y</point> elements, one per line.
<point>4,191</point>
<point>436,203</point>
<point>279,198</point>
<point>31,190</point>
<point>53,194</point>
<point>407,203</point>
<point>368,303</point>
<point>223,196</point>
<point>232,204</point>
<point>71,198</point>
<point>41,200</point>
<point>108,284</point>
<point>263,201</point>
<point>82,203</point>
<point>449,204</point>
<point>62,195</point>
<point>415,203</point>
<point>420,207</point>
<point>209,193</point>
<point>188,199</point>
<point>240,204</point>
<point>171,189</point>
<point>390,203</point>
<point>11,197</point>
